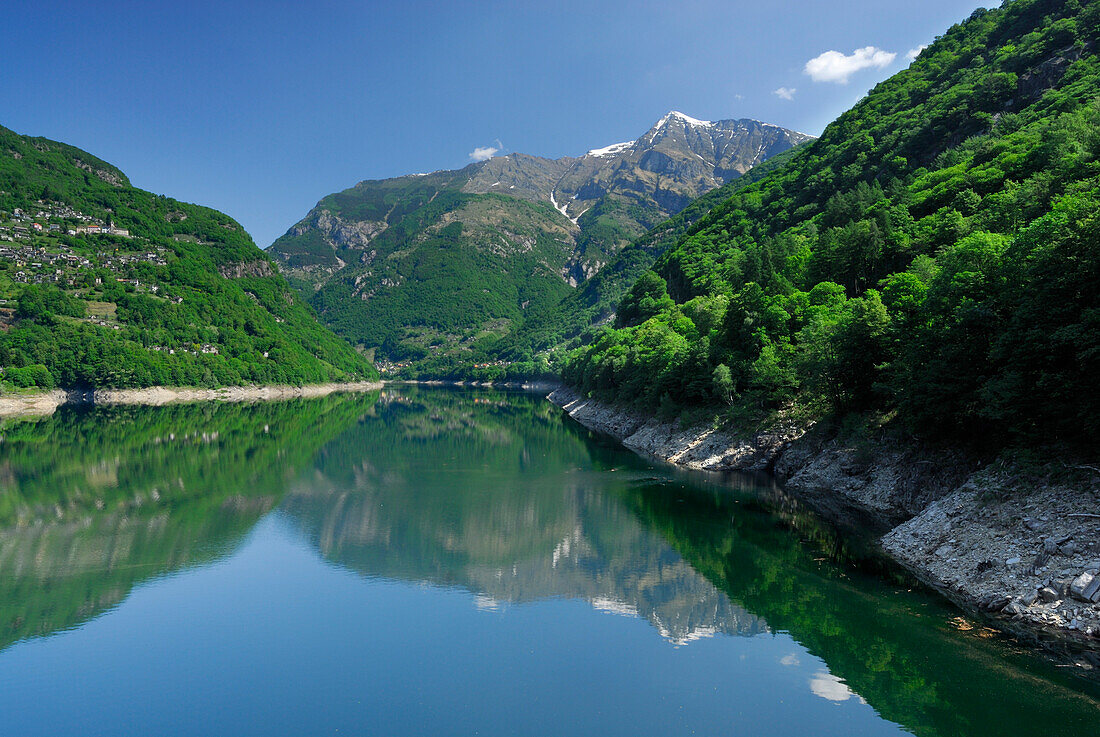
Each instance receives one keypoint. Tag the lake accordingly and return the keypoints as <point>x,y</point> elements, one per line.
<point>452,562</point>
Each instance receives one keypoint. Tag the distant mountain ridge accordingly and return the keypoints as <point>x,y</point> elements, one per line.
<point>528,229</point>
<point>673,163</point>
<point>693,156</point>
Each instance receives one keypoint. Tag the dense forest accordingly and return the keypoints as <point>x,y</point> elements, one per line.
<point>107,285</point>
<point>935,255</point>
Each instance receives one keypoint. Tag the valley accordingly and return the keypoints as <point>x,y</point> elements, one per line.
<point>431,271</point>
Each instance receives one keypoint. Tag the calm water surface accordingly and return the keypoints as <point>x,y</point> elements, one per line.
<point>436,562</point>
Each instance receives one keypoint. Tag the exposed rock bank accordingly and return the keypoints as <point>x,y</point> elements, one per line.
<point>45,403</point>
<point>707,449</point>
<point>1031,553</point>
<point>1024,550</point>
<point>530,386</point>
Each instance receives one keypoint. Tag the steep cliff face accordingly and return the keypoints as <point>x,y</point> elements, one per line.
<point>511,236</point>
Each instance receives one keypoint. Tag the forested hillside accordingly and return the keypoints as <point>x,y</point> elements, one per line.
<point>106,285</point>
<point>936,253</point>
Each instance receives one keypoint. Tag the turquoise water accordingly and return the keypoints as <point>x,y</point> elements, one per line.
<point>448,562</point>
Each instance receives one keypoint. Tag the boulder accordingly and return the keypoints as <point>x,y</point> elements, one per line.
<point>1085,587</point>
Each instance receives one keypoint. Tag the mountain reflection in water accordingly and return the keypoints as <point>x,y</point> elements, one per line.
<point>494,497</point>
<point>500,495</point>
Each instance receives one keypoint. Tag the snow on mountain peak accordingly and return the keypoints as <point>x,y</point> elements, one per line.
<point>687,119</point>
<point>610,150</point>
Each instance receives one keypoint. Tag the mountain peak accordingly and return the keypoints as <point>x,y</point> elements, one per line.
<point>686,119</point>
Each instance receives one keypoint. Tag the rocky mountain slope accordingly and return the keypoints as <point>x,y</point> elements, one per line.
<point>502,239</point>
<point>652,177</point>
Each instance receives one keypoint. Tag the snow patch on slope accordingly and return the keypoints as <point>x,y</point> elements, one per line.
<point>561,208</point>
<point>610,150</point>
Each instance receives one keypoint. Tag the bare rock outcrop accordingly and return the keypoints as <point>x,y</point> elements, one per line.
<point>241,269</point>
<point>692,447</point>
<point>1031,556</point>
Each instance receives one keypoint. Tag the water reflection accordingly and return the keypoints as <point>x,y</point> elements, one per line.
<point>509,499</point>
<point>885,643</point>
<point>95,501</point>
<point>500,495</point>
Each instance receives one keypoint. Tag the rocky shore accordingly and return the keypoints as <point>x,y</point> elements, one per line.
<point>530,386</point>
<point>1017,545</point>
<point>45,403</point>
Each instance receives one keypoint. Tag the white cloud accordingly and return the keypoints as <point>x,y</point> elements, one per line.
<point>828,686</point>
<point>481,153</point>
<point>833,66</point>
<point>790,660</point>
<point>914,53</point>
<point>787,93</point>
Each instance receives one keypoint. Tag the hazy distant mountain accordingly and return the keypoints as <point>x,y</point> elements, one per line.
<point>434,263</point>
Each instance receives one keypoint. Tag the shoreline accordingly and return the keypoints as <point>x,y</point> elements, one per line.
<point>1027,563</point>
<point>46,403</point>
<point>530,386</point>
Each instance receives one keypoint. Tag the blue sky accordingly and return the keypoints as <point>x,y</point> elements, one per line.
<point>261,108</point>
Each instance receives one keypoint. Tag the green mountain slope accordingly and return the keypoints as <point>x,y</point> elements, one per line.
<point>435,268</point>
<point>571,322</point>
<point>934,252</point>
<point>455,268</point>
<point>104,284</point>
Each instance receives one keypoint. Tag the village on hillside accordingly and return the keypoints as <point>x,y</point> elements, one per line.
<point>32,250</point>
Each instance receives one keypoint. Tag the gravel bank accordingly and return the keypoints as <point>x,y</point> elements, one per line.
<point>45,403</point>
